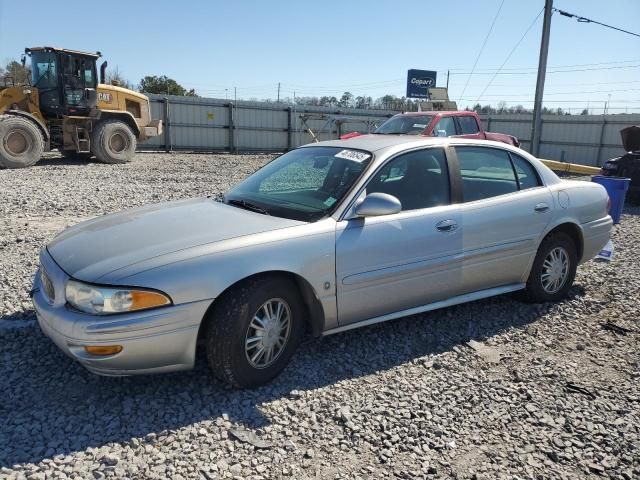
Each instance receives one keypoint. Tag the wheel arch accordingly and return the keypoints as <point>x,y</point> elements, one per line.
<point>574,231</point>
<point>41,126</point>
<point>125,117</point>
<point>315,312</point>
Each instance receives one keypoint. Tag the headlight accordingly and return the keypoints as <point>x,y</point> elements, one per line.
<point>108,300</point>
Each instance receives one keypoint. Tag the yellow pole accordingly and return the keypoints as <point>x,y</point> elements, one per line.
<point>571,167</point>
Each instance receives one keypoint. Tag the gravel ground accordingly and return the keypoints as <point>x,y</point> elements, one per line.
<point>482,390</point>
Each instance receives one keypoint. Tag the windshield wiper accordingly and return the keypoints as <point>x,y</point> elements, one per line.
<point>248,206</point>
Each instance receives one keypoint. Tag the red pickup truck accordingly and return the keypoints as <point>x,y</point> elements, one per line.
<point>439,124</point>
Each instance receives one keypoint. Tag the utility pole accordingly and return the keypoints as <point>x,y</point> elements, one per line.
<point>447,80</point>
<point>536,128</point>
<point>278,92</point>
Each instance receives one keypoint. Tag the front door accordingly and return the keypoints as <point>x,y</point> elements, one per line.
<point>395,262</point>
<point>79,78</point>
<point>45,76</point>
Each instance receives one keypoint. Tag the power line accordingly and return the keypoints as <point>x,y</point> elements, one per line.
<point>588,20</point>
<point>498,72</point>
<point>573,101</point>
<point>490,70</point>
<point>520,85</point>
<point>565,93</point>
<point>511,52</point>
<point>482,47</point>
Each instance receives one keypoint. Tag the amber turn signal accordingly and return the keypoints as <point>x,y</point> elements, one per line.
<point>103,350</point>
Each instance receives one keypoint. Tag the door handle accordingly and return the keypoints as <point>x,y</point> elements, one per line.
<point>446,226</point>
<point>541,207</point>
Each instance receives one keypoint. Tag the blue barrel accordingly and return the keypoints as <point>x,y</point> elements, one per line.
<point>617,189</point>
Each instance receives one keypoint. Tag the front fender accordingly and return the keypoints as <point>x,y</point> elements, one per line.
<point>205,272</point>
<point>124,116</point>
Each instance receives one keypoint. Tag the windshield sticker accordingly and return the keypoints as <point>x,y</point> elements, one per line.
<point>354,155</point>
<point>419,125</point>
<point>329,201</point>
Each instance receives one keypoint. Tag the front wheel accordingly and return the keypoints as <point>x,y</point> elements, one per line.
<point>112,141</point>
<point>553,270</point>
<point>253,330</point>
<point>21,142</point>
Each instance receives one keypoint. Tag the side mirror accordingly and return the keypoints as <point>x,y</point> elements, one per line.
<point>441,133</point>
<point>377,204</point>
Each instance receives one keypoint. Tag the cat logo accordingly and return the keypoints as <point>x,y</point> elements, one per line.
<point>104,97</point>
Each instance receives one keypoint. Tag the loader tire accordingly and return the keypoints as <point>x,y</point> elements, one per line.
<point>112,141</point>
<point>21,142</point>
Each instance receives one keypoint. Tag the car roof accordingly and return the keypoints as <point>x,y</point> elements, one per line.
<point>433,113</point>
<point>373,142</point>
<point>376,142</point>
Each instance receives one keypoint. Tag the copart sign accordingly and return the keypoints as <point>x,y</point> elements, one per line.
<point>419,82</point>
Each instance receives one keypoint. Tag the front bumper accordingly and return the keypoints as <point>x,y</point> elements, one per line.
<point>154,129</point>
<point>153,341</point>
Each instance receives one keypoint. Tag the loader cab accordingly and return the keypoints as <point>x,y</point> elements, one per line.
<point>66,80</point>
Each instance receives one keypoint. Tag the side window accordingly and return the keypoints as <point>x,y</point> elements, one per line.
<point>486,173</point>
<point>527,175</point>
<point>418,179</point>
<point>468,125</point>
<point>447,124</point>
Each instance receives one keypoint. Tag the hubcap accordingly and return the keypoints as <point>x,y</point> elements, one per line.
<point>117,143</point>
<point>555,270</point>
<point>16,142</point>
<point>268,333</point>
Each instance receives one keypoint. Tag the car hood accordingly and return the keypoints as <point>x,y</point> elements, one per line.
<point>631,138</point>
<point>102,245</point>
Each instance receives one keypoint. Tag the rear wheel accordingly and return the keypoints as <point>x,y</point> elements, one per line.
<point>112,141</point>
<point>21,142</point>
<point>253,330</point>
<point>553,270</point>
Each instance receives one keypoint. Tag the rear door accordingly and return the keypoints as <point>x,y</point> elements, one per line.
<point>505,209</point>
<point>395,262</point>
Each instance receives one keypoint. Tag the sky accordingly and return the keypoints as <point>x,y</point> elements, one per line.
<point>365,47</point>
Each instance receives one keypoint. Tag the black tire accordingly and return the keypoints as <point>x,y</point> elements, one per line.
<point>535,291</point>
<point>21,142</point>
<point>112,141</point>
<point>228,325</point>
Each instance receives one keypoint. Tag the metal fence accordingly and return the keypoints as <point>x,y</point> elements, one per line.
<point>219,125</point>
<point>583,139</point>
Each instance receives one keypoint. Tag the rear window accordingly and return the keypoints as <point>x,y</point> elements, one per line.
<point>486,173</point>
<point>468,125</point>
<point>527,175</point>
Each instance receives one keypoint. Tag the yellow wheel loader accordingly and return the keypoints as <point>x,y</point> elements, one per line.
<point>65,108</point>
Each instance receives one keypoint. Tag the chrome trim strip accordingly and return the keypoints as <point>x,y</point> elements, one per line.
<point>468,297</point>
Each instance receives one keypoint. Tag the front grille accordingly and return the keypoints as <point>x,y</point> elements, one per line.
<point>47,285</point>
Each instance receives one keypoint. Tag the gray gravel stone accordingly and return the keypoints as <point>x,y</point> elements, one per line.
<point>404,399</point>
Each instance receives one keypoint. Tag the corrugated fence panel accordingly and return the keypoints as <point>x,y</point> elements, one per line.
<point>210,124</point>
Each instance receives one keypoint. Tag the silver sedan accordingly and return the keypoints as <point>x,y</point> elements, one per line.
<point>328,237</point>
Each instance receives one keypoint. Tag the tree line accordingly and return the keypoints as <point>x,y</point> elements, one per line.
<point>17,74</point>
